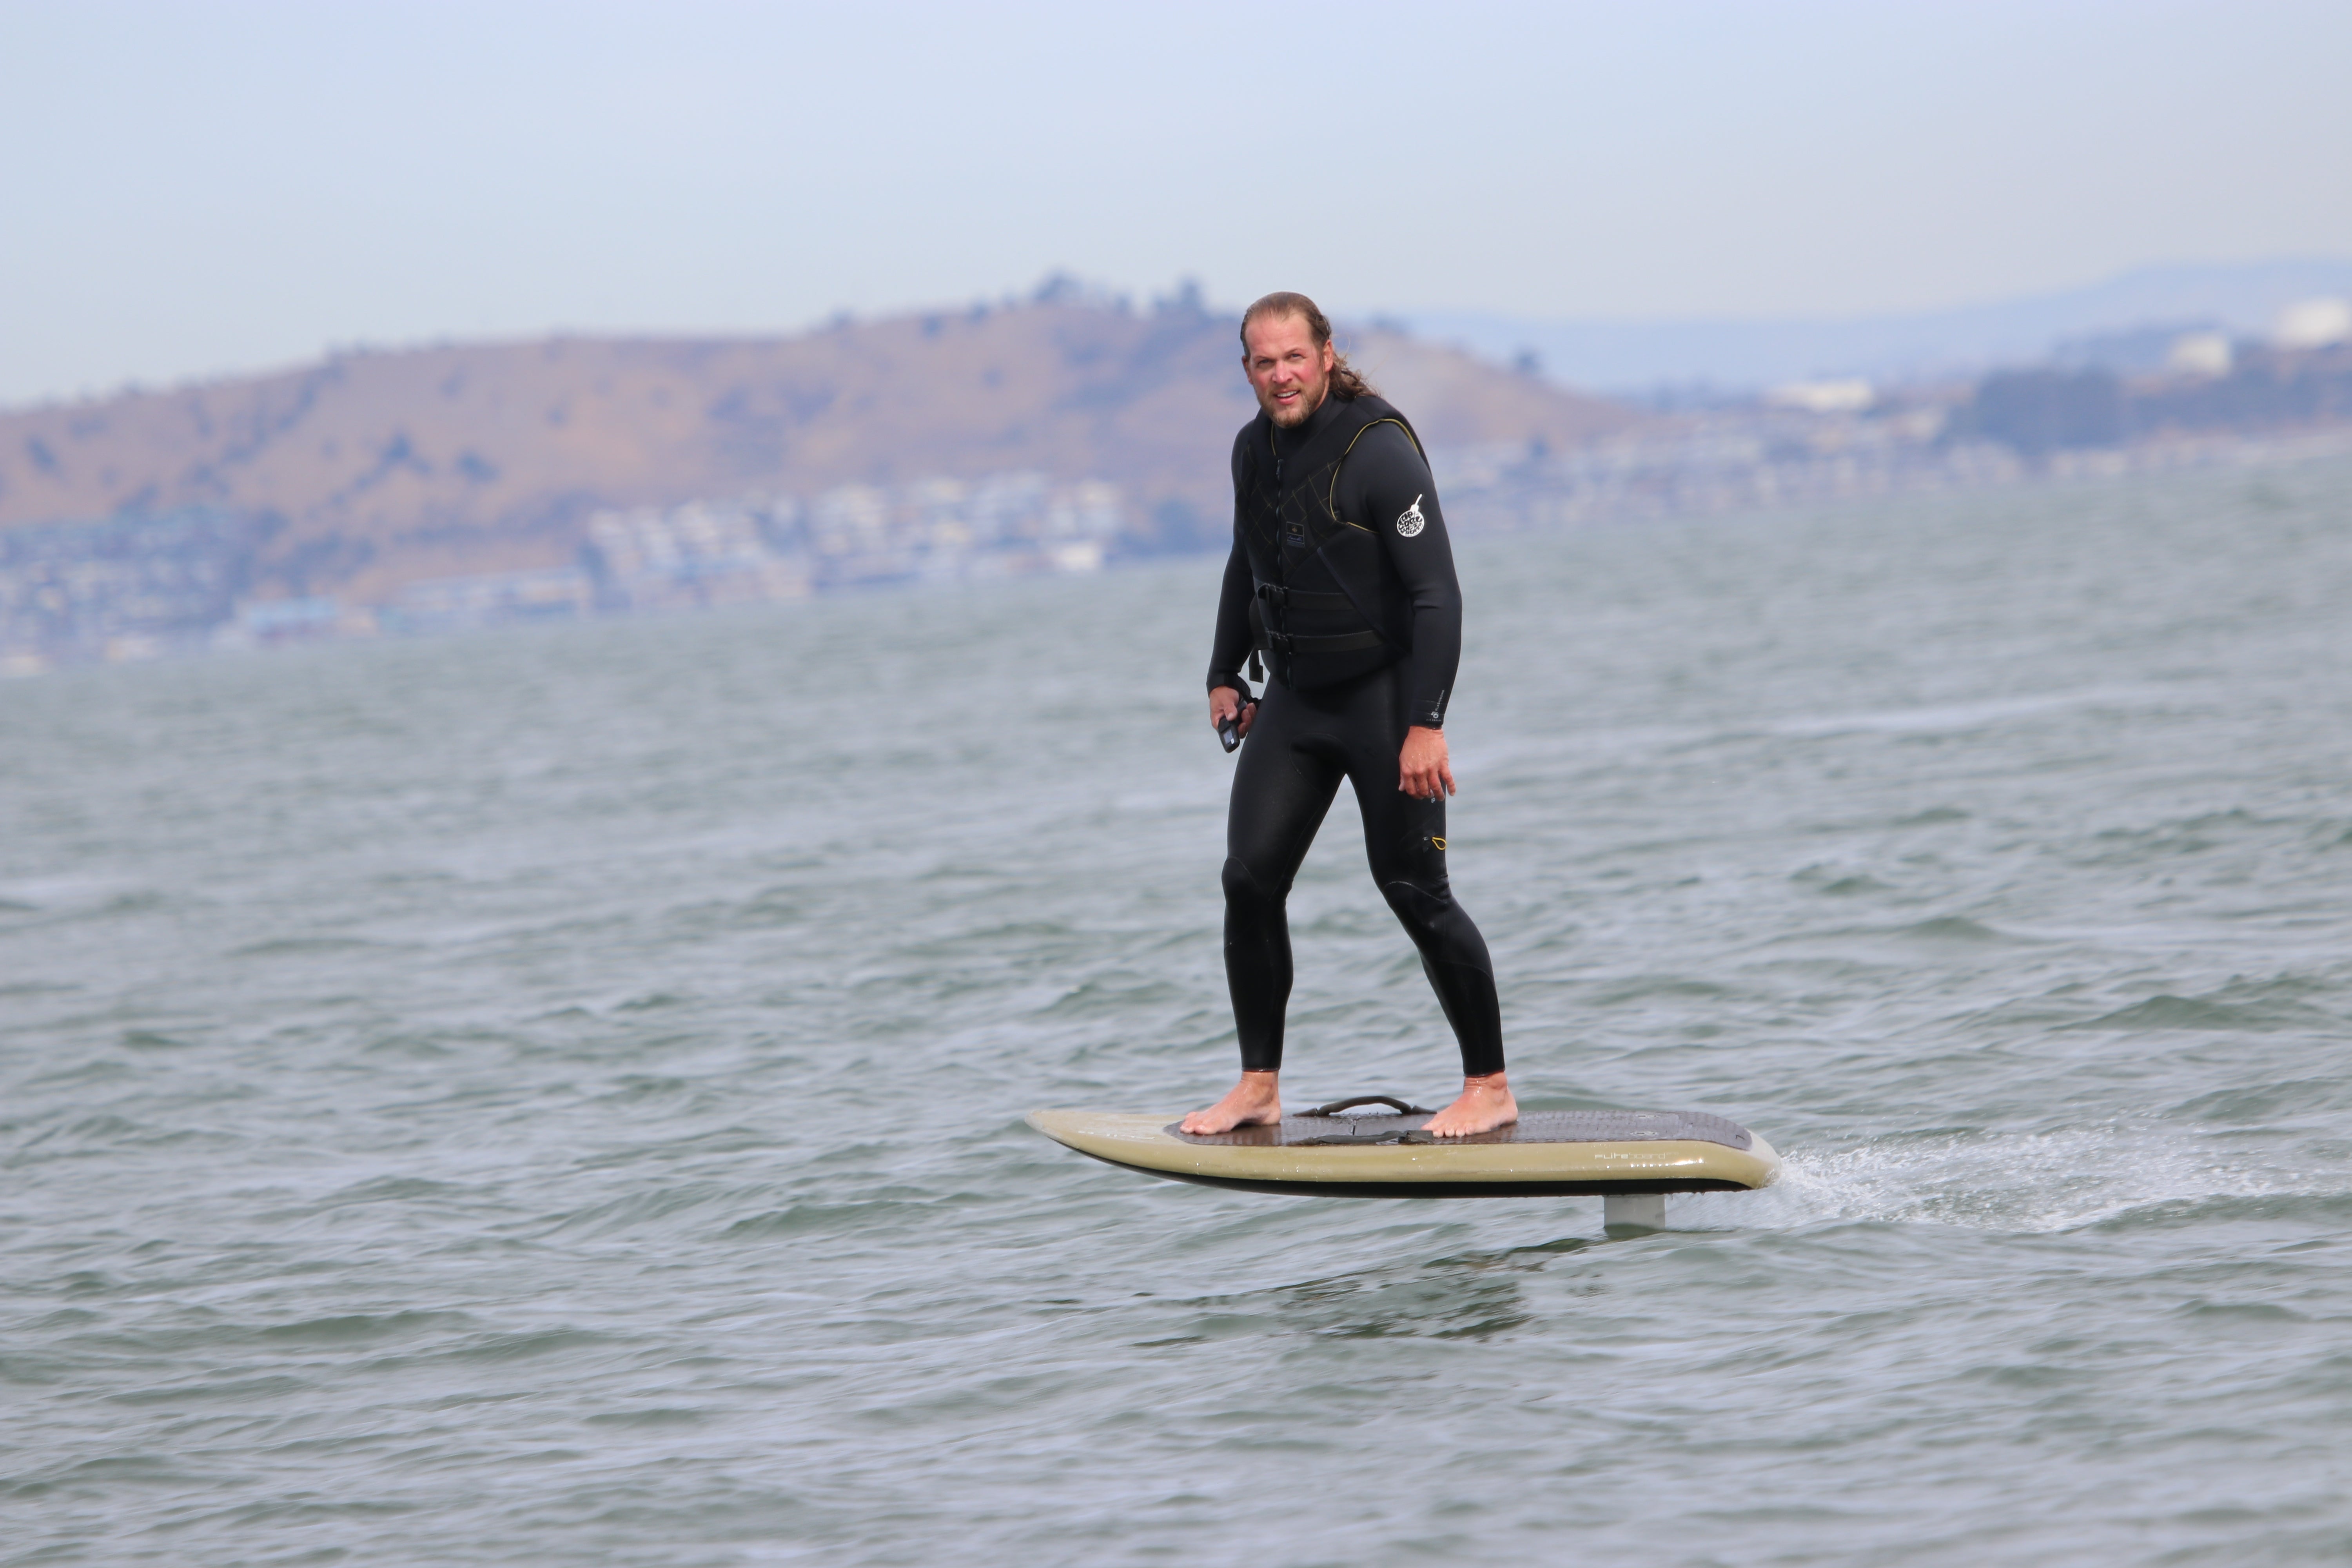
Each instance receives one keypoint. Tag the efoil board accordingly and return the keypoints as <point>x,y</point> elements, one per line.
<point>1545,1153</point>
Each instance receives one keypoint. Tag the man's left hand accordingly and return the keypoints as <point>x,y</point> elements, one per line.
<point>1422,768</point>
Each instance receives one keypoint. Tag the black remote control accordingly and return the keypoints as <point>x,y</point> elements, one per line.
<point>1230,731</point>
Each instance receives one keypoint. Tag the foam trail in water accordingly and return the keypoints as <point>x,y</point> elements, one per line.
<point>2026,1183</point>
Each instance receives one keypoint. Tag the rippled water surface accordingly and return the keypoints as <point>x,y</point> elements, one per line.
<point>556,1097</point>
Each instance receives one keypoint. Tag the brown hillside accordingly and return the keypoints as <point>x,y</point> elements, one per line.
<point>389,466</point>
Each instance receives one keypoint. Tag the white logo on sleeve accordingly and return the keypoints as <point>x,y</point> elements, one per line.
<point>1409,522</point>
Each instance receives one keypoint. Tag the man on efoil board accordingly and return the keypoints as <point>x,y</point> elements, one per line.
<point>1341,575</point>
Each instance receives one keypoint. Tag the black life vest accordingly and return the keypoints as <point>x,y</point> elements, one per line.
<point>1327,608</point>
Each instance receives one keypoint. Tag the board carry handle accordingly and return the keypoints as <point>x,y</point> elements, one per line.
<point>1338,1105</point>
<point>1393,1135</point>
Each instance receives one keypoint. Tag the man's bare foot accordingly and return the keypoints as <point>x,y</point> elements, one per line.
<point>1485,1104</point>
<point>1252,1100</point>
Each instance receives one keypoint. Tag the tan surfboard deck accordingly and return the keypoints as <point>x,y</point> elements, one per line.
<point>1547,1154</point>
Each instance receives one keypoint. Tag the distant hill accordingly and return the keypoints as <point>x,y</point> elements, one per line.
<point>1735,355</point>
<point>371,470</point>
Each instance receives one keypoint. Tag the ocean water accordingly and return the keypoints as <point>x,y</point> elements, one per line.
<point>555,1096</point>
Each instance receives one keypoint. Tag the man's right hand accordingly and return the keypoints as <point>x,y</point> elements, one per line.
<point>1223,703</point>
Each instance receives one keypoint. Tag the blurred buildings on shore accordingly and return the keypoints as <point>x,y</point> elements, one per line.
<point>136,588</point>
<point>774,549</point>
<point>132,589</point>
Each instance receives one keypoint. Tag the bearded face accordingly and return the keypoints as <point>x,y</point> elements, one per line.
<point>1288,370</point>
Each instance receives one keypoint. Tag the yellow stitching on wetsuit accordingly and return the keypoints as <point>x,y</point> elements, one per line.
<point>1331,499</point>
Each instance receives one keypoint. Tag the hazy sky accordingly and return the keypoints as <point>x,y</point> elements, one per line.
<point>191,188</point>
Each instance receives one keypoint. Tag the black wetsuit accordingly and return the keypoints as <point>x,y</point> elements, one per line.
<point>1344,558</point>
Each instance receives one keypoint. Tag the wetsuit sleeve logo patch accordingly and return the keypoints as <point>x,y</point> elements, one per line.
<point>1409,522</point>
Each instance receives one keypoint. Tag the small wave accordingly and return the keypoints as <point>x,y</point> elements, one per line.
<point>362,1328</point>
<point>657,1416</point>
<point>818,1219</point>
<point>2169,1012</point>
<point>522,1346</point>
<point>653,1001</point>
<point>1442,1300</point>
<point>1947,931</point>
<point>1960,716</point>
<point>1955,927</point>
<point>2187,835</point>
<point>1657,987</point>
<point>1117,995</point>
<point>2277,1099</point>
<point>653,1207</point>
<point>2239,1007</point>
<point>305,947</point>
